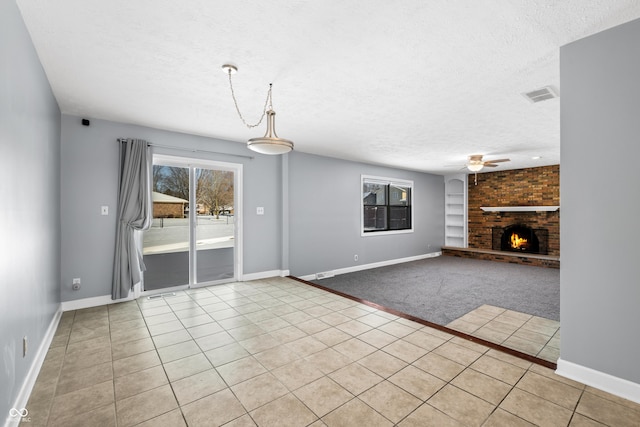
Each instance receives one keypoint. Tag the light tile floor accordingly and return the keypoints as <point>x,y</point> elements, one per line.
<point>528,334</point>
<point>277,352</point>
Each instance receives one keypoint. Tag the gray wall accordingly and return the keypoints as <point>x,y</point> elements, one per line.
<point>30,198</point>
<point>89,180</point>
<point>600,272</point>
<point>324,215</point>
<point>295,190</point>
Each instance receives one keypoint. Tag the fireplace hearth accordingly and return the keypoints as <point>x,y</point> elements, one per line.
<point>520,238</point>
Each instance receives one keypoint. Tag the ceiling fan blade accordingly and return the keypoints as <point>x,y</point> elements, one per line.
<point>499,161</point>
<point>491,165</point>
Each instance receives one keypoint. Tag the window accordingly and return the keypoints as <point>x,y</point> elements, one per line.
<point>386,205</point>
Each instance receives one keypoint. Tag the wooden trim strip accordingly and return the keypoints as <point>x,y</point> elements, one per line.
<point>423,322</point>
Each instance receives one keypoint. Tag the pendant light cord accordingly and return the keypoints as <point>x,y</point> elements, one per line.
<point>268,102</point>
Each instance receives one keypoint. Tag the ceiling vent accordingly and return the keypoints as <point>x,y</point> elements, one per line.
<point>541,94</point>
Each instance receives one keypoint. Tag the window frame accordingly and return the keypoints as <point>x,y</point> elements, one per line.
<point>387,182</point>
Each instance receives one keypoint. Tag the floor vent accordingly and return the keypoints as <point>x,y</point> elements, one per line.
<point>166,294</point>
<point>541,94</point>
<point>325,274</point>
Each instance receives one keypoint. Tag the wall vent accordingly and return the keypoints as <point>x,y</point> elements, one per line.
<point>541,94</point>
<point>324,275</point>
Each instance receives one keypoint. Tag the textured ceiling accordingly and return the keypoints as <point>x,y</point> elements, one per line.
<point>406,83</point>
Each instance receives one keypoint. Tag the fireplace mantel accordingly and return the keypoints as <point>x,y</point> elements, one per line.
<point>520,208</point>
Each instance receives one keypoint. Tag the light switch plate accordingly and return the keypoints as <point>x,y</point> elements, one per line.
<point>104,210</point>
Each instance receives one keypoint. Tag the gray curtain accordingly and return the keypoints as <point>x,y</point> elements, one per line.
<point>134,214</point>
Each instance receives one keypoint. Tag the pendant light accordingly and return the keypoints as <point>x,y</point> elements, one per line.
<point>270,143</point>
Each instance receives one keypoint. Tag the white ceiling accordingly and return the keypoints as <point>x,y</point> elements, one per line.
<point>413,84</point>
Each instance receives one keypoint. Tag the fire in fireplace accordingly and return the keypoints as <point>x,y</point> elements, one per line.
<point>517,242</point>
<point>520,238</point>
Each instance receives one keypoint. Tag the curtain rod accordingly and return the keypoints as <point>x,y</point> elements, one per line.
<point>193,150</point>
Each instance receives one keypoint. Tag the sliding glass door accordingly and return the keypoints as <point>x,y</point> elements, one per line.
<point>194,233</point>
<point>215,226</point>
<point>166,244</point>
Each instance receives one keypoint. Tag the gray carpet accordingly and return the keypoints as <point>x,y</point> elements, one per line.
<point>445,288</point>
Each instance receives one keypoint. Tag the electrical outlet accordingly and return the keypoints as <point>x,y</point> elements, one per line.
<point>355,257</point>
<point>24,346</point>
<point>104,210</point>
<point>260,210</point>
<point>75,284</point>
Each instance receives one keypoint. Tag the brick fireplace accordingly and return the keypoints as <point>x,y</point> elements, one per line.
<point>516,189</point>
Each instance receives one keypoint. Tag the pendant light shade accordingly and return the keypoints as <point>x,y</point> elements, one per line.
<point>270,143</point>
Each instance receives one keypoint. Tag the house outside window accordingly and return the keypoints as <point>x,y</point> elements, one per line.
<point>387,206</point>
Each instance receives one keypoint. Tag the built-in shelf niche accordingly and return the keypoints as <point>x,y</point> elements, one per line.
<point>456,211</point>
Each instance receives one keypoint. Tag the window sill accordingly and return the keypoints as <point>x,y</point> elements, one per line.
<point>385,233</point>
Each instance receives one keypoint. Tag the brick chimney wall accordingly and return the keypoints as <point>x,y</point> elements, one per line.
<point>520,187</point>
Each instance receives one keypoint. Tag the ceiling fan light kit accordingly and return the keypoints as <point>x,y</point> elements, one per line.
<point>475,167</point>
<point>270,143</point>
<point>476,164</point>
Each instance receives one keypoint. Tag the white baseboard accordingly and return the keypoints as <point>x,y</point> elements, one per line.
<point>32,375</point>
<point>376,265</point>
<point>79,304</point>
<point>264,275</point>
<point>605,382</point>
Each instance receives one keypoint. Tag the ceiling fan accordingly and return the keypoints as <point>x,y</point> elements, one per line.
<point>475,163</point>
